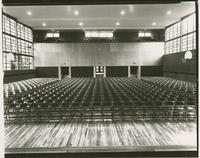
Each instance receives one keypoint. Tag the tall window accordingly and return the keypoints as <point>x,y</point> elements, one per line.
<point>17,45</point>
<point>181,36</point>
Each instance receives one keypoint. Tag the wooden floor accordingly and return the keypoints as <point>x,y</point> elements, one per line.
<point>101,135</point>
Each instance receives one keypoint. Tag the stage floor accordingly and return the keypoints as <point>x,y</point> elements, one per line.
<point>107,136</point>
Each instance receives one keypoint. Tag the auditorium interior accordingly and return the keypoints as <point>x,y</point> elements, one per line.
<point>100,79</point>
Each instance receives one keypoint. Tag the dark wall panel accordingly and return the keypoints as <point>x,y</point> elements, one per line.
<point>86,71</point>
<point>177,67</point>
<point>13,75</point>
<point>47,72</point>
<point>175,63</point>
<point>151,71</point>
<point>116,71</point>
<point>179,76</point>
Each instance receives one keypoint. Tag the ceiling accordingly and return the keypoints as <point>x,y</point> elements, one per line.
<point>138,16</point>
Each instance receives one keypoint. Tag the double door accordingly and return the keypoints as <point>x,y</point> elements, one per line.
<point>99,71</point>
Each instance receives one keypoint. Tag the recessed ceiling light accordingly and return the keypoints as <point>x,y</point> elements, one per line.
<point>76,12</point>
<point>29,13</point>
<point>117,23</point>
<point>168,12</point>
<point>154,23</point>
<point>122,12</point>
<point>80,24</point>
<point>44,24</point>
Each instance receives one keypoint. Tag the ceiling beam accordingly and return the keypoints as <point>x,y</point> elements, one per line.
<point>84,2</point>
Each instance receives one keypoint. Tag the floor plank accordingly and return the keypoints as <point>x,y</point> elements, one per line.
<point>118,134</point>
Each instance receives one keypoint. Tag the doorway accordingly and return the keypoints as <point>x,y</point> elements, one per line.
<point>134,71</point>
<point>64,71</point>
<point>99,71</point>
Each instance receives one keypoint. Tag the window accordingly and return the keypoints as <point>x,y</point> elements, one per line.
<point>7,43</point>
<point>4,42</point>
<point>167,48</point>
<point>181,36</point>
<point>178,45</point>
<point>17,45</point>
<point>184,26</point>
<point>188,24</point>
<point>9,60</point>
<point>190,42</point>
<point>13,45</point>
<point>99,69</point>
<point>144,34</point>
<point>7,25</point>
<point>167,34</point>
<point>194,40</point>
<point>53,35</point>
<point>98,34</point>
<point>184,43</point>
<point>13,27</point>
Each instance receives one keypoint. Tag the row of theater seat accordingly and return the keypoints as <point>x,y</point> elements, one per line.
<point>178,85</point>
<point>14,88</point>
<point>103,99</point>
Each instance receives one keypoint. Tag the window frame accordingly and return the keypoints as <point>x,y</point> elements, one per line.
<point>17,41</point>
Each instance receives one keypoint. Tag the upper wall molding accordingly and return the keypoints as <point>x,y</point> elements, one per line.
<point>85,2</point>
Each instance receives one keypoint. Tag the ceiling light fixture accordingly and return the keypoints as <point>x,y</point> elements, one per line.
<point>76,12</point>
<point>169,12</point>
<point>29,13</point>
<point>44,24</point>
<point>117,23</point>
<point>80,24</point>
<point>154,23</point>
<point>122,12</point>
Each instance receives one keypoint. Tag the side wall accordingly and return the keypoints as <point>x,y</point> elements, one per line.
<point>174,66</point>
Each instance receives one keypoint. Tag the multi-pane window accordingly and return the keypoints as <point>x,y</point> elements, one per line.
<point>6,24</point>
<point>184,43</point>
<point>177,30</point>
<point>13,30</point>
<point>188,42</point>
<point>178,46</point>
<point>13,45</point>
<point>181,36</point>
<point>25,62</point>
<point>173,31</point>
<point>7,43</point>
<point>188,24</point>
<point>17,45</point>
<point>194,40</point>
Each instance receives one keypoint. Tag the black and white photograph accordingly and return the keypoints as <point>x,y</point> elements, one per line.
<point>99,78</point>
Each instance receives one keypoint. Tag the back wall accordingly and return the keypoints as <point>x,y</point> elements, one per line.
<point>91,54</point>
